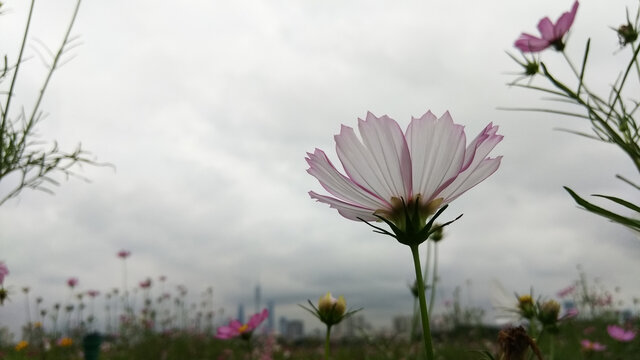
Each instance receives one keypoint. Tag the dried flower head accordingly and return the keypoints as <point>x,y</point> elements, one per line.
<point>514,344</point>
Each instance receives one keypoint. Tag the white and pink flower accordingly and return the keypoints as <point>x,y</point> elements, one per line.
<point>424,168</point>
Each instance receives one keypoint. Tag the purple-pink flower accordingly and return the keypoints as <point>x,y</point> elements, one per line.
<point>551,34</point>
<point>72,282</point>
<point>425,168</point>
<point>566,291</point>
<point>236,328</point>
<point>123,254</point>
<point>4,271</point>
<point>620,334</point>
<point>588,345</point>
<point>146,283</point>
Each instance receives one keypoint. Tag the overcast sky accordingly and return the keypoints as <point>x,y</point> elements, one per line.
<point>207,109</point>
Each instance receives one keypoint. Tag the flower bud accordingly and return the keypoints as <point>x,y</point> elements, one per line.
<point>627,34</point>
<point>549,311</point>
<point>330,309</point>
<point>526,306</point>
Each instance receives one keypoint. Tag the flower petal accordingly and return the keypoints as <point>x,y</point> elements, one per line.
<point>546,29</point>
<point>350,211</point>
<point>470,178</point>
<point>339,185</point>
<point>477,165</point>
<point>530,43</point>
<point>382,164</point>
<point>437,148</point>
<point>565,21</point>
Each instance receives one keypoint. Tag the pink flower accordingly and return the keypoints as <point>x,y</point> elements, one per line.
<point>422,169</point>
<point>551,34</point>
<point>4,271</point>
<point>236,328</point>
<point>620,334</point>
<point>592,345</point>
<point>93,293</point>
<point>72,282</point>
<point>123,254</point>
<point>145,284</point>
<point>566,291</point>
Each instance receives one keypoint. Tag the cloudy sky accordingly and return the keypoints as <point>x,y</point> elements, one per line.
<point>207,109</point>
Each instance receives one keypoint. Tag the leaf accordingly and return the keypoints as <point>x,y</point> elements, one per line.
<point>629,222</point>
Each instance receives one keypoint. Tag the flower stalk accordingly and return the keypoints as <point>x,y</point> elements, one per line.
<point>426,330</point>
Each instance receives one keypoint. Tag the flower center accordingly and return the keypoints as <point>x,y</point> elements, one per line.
<point>243,328</point>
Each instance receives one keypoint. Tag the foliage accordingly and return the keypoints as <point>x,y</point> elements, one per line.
<point>23,161</point>
<point>612,116</point>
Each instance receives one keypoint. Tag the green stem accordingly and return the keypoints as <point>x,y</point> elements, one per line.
<point>434,277</point>
<point>327,343</point>
<point>426,332</point>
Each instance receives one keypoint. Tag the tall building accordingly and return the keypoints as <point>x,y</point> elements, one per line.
<point>241,313</point>
<point>272,315</point>
<point>257,298</point>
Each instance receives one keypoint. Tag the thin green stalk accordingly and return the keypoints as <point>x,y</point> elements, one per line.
<point>434,277</point>
<point>426,331</point>
<point>5,112</point>
<point>327,343</point>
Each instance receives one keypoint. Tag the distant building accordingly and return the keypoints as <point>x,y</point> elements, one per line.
<point>291,329</point>
<point>272,315</point>
<point>402,324</point>
<point>241,313</point>
<point>352,327</point>
<point>294,330</point>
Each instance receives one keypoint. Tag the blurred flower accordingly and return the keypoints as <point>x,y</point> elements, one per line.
<point>548,312</point>
<point>123,254</point>
<point>65,342</point>
<point>37,324</point>
<point>620,334</point>
<point>21,345</point>
<point>4,271</point>
<point>93,293</point>
<point>627,34</point>
<point>72,282</point>
<point>526,306</point>
<point>403,178</point>
<point>236,328</point>
<point>566,291</point>
<point>551,34</point>
<point>592,346</point>
<point>515,342</point>
<point>146,283</point>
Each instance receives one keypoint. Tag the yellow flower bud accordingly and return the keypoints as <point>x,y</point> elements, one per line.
<point>330,309</point>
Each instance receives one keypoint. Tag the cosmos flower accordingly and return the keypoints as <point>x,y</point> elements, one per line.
<point>123,254</point>
<point>588,345</point>
<point>391,175</point>
<point>146,283</point>
<point>4,271</point>
<point>93,293</point>
<point>551,34</point>
<point>236,328</point>
<point>72,282</point>
<point>566,291</point>
<point>620,334</point>
<point>65,342</point>
<point>21,345</point>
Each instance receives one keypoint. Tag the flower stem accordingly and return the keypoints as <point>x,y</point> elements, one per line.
<point>426,332</point>
<point>434,277</point>
<point>327,343</point>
